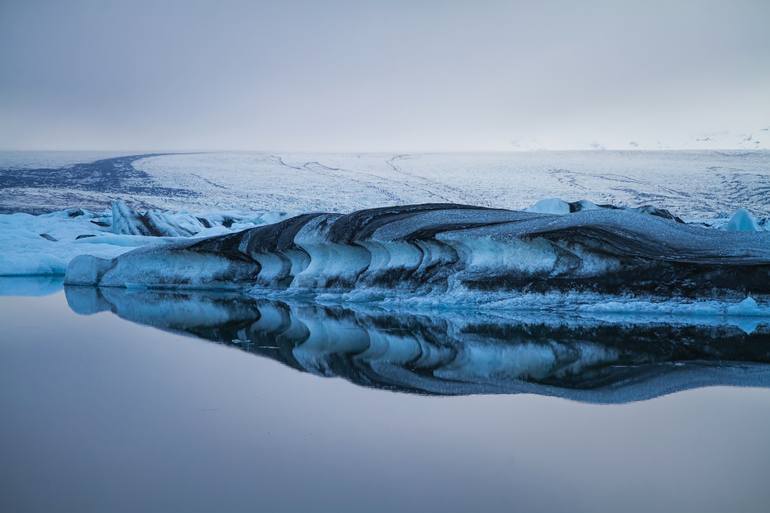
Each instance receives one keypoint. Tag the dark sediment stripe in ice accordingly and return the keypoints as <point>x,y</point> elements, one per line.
<point>438,247</point>
<point>456,353</point>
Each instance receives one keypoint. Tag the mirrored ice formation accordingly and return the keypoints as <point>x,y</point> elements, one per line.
<point>451,352</point>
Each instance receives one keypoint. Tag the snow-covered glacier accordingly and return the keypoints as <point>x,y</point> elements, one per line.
<point>451,249</point>
<point>701,185</point>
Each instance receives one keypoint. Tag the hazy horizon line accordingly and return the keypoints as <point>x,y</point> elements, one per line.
<point>137,151</point>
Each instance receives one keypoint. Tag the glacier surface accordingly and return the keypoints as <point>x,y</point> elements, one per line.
<point>696,185</point>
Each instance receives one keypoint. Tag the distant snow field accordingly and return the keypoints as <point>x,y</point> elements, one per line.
<point>694,185</point>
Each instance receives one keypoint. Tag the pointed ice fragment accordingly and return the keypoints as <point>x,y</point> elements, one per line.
<point>742,221</point>
<point>550,206</point>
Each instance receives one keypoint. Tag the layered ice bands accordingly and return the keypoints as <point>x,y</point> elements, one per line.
<point>433,248</point>
<point>450,352</point>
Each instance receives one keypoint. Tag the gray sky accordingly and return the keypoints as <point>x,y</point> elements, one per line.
<point>377,75</point>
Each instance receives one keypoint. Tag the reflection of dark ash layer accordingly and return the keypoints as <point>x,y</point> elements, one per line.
<point>456,352</point>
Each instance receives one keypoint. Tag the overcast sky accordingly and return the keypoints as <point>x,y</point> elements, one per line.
<point>383,75</point>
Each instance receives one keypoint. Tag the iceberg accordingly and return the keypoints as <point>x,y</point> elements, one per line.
<point>551,206</point>
<point>152,223</point>
<point>742,221</point>
<point>157,223</point>
<point>455,249</point>
<point>45,244</point>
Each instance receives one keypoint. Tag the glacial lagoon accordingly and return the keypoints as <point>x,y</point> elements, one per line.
<point>127,400</point>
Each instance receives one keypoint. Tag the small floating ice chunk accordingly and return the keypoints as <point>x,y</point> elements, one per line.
<point>550,206</point>
<point>742,221</point>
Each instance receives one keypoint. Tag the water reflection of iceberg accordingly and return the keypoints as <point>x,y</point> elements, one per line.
<point>30,285</point>
<point>458,352</point>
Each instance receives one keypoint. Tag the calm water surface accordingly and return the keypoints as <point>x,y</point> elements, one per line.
<point>103,414</point>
